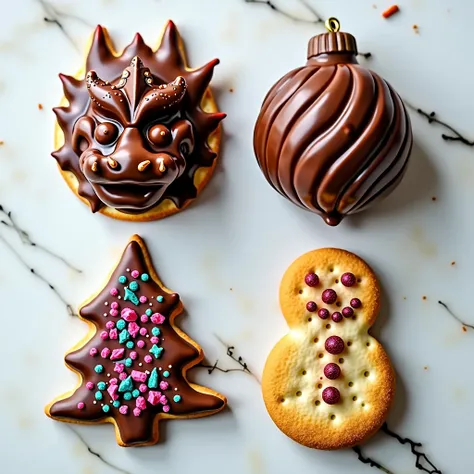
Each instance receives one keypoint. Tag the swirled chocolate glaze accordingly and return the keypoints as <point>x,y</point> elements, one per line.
<point>135,133</point>
<point>332,136</point>
<point>133,369</point>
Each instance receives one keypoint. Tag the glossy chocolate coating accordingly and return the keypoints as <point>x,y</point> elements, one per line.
<point>108,125</point>
<point>333,136</point>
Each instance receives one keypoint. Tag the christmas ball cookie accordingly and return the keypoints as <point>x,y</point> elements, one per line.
<point>332,136</point>
<point>137,133</point>
<point>133,363</point>
<point>328,384</point>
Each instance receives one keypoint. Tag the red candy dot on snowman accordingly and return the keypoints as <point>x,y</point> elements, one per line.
<point>311,306</point>
<point>348,279</point>
<point>356,303</point>
<point>336,317</point>
<point>332,371</point>
<point>347,312</point>
<point>334,345</point>
<point>323,313</point>
<point>311,279</point>
<point>331,395</point>
<point>329,296</point>
<point>135,273</point>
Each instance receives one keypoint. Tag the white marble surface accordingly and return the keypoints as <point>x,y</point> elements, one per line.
<point>240,235</point>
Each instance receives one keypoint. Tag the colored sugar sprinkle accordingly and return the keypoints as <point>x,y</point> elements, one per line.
<point>99,369</point>
<point>116,404</point>
<point>135,273</point>
<point>156,331</point>
<point>148,312</point>
<point>153,380</point>
<point>177,398</point>
<point>128,362</point>
<point>166,373</point>
<point>131,296</point>
<point>121,324</point>
<point>124,336</point>
<point>159,299</point>
<point>133,286</point>
<point>127,396</point>
<point>122,279</point>
<point>135,393</point>
<point>98,396</point>
<point>145,277</point>
<point>101,386</point>
<point>156,351</point>
<point>105,408</point>
<point>130,344</point>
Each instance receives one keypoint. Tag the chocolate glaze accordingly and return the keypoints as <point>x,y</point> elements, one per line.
<point>110,145</point>
<point>177,352</point>
<point>333,136</point>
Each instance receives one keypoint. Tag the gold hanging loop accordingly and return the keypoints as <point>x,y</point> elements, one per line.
<point>332,25</point>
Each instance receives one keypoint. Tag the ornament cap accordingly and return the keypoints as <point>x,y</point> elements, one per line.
<point>333,41</point>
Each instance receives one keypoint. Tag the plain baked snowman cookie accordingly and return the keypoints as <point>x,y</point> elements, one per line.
<point>328,384</point>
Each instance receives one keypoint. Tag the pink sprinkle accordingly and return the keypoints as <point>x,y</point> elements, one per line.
<point>164,385</point>
<point>140,344</point>
<point>113,389</point>
<point>157,318</point>
<point>128,314</point>
<point>123,409</point>
<point>138,376</point>
<point>136,411</point>
<point>144,318</point>
<point>143,299</point>
<point>141,403</point>
<point>143,388</point>
<point>113,312</point>
<point>113,381</point>
<point>133,329</point>
<point>104,335</point>
<point>89,385</point>
<point>154,397</point>
<point>105,352</point>
<point>143,331</point>
<point>114,292</point>
<point>113,334</point>
<point>166,408</point>
<point>114,305</point>
<point>163,400</point>
<point>123,376</point>
<point>93,352</point>
<point>80,405</point>
<point>148,359</point>
<point>110,325</point>
<point>154,340</point>
<point>133,355</point>
<point>135,273</point>
<point>117,354</point>
<point>119,367</point>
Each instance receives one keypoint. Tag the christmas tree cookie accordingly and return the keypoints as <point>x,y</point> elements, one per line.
<point>133,363</point>
<point>329,384</point>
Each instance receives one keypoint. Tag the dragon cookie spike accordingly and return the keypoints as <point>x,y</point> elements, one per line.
<point>71,86</point>
<point>100,52</point>
<point>170,51</point>
<point>199,80</point>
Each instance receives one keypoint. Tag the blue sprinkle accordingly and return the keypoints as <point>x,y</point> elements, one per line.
<point>166,373</point>
<point>130,345</point>
<point>121,324</point>
<point>101,385</point>
<point>156,351</point>
<point>136,393</point>
<point>98,395</point>
<point>133,286</point>
<point>148,312</point>
<point>145,277</point>
<point>116,404</point>
<point>127,396</point>
<point>156,331</point>
<point>128,362</point>
<point>105,408</point>
<point>124,336</point>
<point>123,279</point>
<point>99,369</point>
<point>159,299</point>
<point>153,380</point>
<point>131,296</point>
<point>177,398</point>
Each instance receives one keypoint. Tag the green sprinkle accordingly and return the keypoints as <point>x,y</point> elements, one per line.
<point>131,296</point>
<point>98,396</point>
<point>127,396</point>
<point>124,336</point>
<point>126,385</point>
<point>145,277</point>
<point>148,312</point>
<point>105,408</point>
<point>99,369</point>
<point>177,398</point>
<point>159,299</point>
<point>166,373</point>
<point>123,279</point>
<point>156,351</point>
<point>128,362</point>
<point>153,380</point>
<point>133,286</point>
<point>156,331</point>
<point>121,324</point>
<point>101,386</point>
<point>116,404</point>
<point>136,393</point>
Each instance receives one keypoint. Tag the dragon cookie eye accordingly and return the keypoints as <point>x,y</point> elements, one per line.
<point>159,135</point>
<point>106,133</point>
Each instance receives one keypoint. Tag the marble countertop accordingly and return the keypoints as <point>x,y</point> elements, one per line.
<point>226,254</point>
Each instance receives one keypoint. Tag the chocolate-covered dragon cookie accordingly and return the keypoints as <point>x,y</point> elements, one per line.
<point>138,133</point>
<point>133,363</point>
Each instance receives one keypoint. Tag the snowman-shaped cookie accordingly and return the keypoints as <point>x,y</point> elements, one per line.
<point>328,384</point>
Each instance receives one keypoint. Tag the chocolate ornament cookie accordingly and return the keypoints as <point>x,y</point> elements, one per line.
<point>133,364</point>
<point>138,132</point>
<point>333,136</point>
<point>328,384</point>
